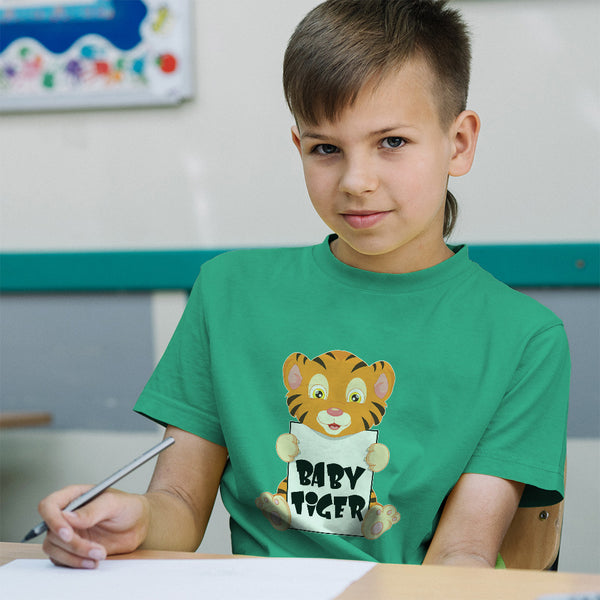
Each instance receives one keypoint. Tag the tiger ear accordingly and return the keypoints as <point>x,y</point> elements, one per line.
<point>385,380</point>
<point>292,371</point>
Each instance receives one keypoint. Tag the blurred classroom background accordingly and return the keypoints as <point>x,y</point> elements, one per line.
<point>218,171</point>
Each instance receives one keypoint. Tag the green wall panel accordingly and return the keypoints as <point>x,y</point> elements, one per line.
<point>533,265</point>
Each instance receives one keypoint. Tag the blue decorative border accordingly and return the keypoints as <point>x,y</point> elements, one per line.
<point>57,29</point>
<point>56,12</point>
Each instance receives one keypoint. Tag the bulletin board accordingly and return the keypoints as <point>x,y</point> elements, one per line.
<point>66,54</point>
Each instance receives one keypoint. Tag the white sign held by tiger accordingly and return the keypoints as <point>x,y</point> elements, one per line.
<point>329,482</point>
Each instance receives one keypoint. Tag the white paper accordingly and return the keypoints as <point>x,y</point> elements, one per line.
<point>573,596</point>
<point>247,578</point>
<point>329,482</point>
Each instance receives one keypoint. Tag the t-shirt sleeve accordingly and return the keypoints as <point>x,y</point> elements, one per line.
<point>526,439</point>
<point>180,391</point>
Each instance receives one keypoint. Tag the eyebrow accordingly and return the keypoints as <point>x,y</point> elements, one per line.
<point>318,136</point>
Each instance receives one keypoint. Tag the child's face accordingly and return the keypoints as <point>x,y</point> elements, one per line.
<point>377,175</point>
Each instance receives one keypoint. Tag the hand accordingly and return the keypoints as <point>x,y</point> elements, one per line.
<point>377,457</point>
<point>287,447</point>
<point>113,523</point>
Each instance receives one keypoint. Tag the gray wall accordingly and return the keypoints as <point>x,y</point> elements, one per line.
<point>85,358</point>
<point>580,311</point>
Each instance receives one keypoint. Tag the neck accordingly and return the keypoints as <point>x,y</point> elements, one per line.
<point>401,260</point>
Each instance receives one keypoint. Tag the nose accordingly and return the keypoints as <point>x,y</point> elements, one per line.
<point>335,412</point>
<point>358,177</point>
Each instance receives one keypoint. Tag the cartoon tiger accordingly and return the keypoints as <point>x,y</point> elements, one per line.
<point>336,394</point>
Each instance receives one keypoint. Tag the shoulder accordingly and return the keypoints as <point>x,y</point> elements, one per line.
<point>260,268</point>
<point>508,305</point>
<point>509,320</point>
<point>250,262</point>
<point>254,256</point>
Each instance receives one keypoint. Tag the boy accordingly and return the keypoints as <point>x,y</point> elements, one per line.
<point>424,399</point>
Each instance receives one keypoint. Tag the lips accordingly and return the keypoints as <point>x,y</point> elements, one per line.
<point>334,426</point>
<point>363,220</point>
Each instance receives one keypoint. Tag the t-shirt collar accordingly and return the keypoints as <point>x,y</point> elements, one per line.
<point>451,268</point>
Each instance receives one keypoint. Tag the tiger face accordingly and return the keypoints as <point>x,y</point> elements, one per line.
<point>337,393</point>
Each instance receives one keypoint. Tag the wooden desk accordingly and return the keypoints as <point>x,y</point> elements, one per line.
<point>409,582</point>
<point>24,419</point>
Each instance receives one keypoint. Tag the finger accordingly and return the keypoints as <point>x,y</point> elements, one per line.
<point>63,557</point>
<point>51,508</point>
<point>73,551</point>
<point>87,516</point>
<point>77,540</point>
<point>70,547</point>
<point>104,506</point>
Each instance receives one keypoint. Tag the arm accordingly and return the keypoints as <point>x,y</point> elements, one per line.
<point>475,519</point>
<point>173,514</point>
<point>182,492</point>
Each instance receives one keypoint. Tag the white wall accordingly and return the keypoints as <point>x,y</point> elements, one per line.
<point>536,86</point>
<point>217,171</point>
<point>220,171</point>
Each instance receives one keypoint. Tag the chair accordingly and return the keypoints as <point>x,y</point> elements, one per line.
<point>533,538</point>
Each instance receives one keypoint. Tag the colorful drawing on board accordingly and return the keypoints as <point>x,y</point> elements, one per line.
<point>94,53</point>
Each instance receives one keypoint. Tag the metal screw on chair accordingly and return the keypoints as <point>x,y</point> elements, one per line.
<point>543,515</point>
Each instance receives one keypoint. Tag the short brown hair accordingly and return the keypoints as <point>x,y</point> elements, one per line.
<point>341,45</point>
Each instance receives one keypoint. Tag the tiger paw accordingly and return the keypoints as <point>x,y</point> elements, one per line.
<point>378,520</point>
<point>276,509</point>
<point>377,457</point>
<point>287,447</point>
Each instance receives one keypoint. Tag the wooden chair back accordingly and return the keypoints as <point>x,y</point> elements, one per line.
<point>533,538</point>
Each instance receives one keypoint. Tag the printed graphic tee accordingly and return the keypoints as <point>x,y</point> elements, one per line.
<point>351,402</point>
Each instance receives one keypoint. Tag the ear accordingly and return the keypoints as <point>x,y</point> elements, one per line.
<point>296,138</point>
<point>292,373</point>
<point>385,382</point>
<point>464,132</point>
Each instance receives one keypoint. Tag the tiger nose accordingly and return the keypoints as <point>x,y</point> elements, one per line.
<point>335,412</point>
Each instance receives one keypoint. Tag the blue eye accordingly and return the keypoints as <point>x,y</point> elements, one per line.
<point>325,149</point>
<point>393,142</point>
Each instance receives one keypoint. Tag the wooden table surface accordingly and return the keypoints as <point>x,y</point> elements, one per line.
<point>24,419</point>
<point>405,582</point>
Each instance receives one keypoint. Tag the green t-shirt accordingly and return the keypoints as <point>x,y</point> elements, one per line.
<point>426,376</point>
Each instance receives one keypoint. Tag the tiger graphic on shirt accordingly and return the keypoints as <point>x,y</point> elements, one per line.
<point>338,397</point>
